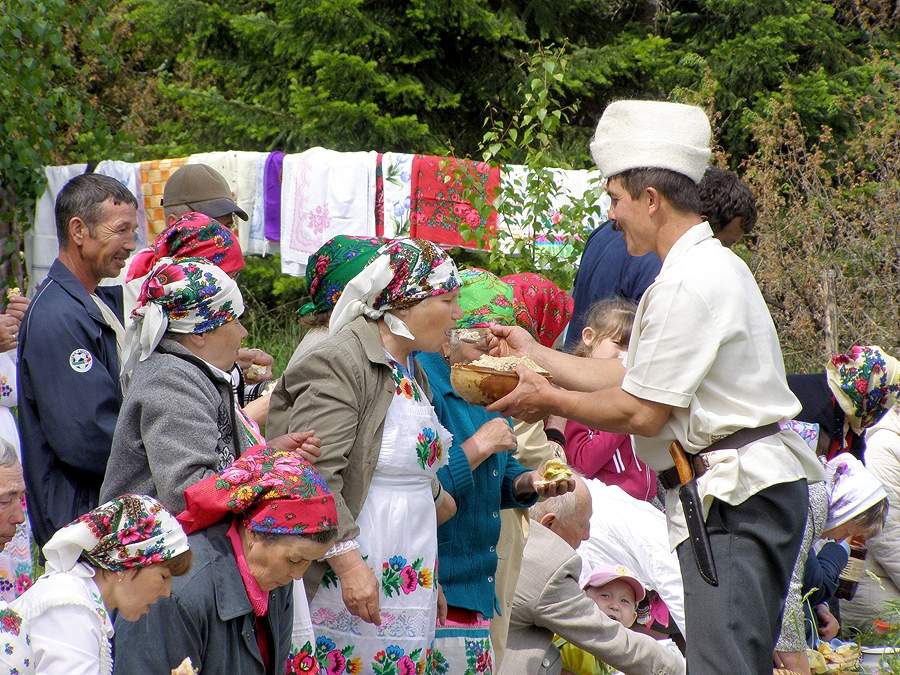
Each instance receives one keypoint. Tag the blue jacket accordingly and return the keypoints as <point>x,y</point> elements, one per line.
<point>606,270</point>
<point>467,543</point>
<point>69,397</point>
<point>822,571</point>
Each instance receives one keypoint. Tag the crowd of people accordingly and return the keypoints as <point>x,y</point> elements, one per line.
<point>357,514</point>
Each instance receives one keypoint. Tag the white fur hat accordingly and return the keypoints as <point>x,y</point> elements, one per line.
<point>652,134</point>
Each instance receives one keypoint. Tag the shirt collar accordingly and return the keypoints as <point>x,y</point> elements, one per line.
<point>218,372</point>
<point>696,234</point>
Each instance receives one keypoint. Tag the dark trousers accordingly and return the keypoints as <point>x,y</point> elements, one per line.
<point>732,628</point>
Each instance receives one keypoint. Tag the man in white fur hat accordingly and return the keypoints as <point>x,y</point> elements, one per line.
<point>704,368</point>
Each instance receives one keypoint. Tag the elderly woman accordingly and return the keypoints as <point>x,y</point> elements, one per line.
<point>851,503</point>
<point>883,560</point>
<point>195,235</point>
<point>483,477</point>
<point>253,529</point>
<point>120,557</point>
<point>185,339</point>
<point>375,597</point>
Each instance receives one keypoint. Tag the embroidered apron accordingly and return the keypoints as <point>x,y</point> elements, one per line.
<point>398,540</point>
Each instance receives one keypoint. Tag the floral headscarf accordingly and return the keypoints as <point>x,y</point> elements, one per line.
<point>402,273</point>
<point>185,296</point>
<point>331,268</point>
<point>852,489</point>
<point>273,491</point>
<point>542,307</point>
<point>485,299</point>
<point>194,235</point>
<point>865,383</point>
<point>128,532</point>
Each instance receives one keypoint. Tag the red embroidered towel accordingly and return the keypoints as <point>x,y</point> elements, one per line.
<point>440,204</point>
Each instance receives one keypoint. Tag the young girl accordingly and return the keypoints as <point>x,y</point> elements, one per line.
<point>601,454</point>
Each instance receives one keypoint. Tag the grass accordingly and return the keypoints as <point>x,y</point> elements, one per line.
<point>867,637</point>
<point>275,331</point>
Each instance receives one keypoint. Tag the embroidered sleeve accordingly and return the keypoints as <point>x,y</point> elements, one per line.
<point>340,547</point>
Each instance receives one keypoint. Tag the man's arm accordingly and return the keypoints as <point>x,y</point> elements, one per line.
<point>571,372</point>
<point>564,609</point>
<point>610,409</point>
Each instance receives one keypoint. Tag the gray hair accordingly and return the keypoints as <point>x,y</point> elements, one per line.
<point>565,506</point>
<point>8,455</point>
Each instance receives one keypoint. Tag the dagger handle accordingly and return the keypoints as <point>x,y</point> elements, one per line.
<point>682,462</point>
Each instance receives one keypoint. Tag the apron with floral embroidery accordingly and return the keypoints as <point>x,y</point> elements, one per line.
<point>398,540</point>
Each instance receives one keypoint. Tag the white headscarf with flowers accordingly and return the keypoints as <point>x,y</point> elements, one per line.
<point>189,295</point>
<point>128,532</point>
<point>402,273</point>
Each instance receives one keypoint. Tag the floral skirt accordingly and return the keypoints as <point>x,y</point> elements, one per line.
<point>463,645</point>
<point>403,560</point>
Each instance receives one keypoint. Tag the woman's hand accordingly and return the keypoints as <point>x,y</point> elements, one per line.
<point>258,409</point>
<point>442,606</point>
<point>305,443</point>
<point>493,436</point>
<point>359,587</point>
<point>531,483</point>
<point>255,364</point>
<point>16,306</point>
<point>796,662</point>
<point>829,626</point>
<point>446,507</point>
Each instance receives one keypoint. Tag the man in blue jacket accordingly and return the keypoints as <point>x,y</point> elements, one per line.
<point>68,378</point>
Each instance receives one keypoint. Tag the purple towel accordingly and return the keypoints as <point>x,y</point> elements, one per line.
<point>272,195</point>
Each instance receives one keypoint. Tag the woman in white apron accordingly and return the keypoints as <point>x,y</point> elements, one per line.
<point>375,603</point>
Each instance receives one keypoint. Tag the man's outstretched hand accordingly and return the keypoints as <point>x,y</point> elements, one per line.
<point>530,401</point>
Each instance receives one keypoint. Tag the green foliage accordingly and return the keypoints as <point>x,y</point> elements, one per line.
<point>533,207</point>
<point>47,102</point>
<point>137,79</point>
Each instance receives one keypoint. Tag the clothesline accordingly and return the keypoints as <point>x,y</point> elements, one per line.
<point>297,202</point>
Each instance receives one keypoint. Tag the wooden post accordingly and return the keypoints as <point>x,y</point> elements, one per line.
<point>831,327</point>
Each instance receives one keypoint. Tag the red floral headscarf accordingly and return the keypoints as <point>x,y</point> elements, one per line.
<point>273,491</point>
<point>194,235</point>
<point>542,307</point>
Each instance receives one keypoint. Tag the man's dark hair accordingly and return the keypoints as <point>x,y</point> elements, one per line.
<point>83,196</point>
<point>680,191</point>
<point>724,197</point>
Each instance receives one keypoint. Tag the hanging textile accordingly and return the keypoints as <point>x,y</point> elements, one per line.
<point>154,174</point>
<point>323,194</point>
<point>240,169</point>
<point>272,177</point>
<point>396,170</point>
<point>438,200</point>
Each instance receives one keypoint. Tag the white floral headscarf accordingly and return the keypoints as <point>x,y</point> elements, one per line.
<point>128,532</point>
<point>402,273</point>
<point>189,295</point>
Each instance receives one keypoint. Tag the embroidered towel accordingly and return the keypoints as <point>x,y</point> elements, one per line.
<point>324,193</point>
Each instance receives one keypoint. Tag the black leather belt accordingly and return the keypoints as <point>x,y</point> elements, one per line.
<point>740,438</point>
